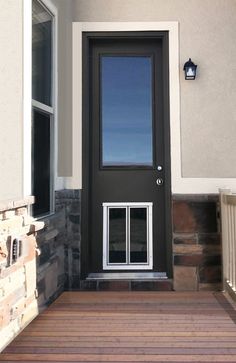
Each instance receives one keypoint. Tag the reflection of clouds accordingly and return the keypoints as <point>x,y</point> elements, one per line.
<point>125,148</point>
<point>127,110</point>
<point>126,131</point>
<point>120,73</point>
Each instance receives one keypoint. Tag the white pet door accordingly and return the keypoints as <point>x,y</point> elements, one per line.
<point>127,236</point>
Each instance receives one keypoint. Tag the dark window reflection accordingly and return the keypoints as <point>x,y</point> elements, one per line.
<point>138,235</point>
<point>117,235</point>
<point>126,97</point>
<point>41,162</point>
<point>41,54</point>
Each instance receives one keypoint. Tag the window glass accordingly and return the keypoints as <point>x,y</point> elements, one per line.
<point>126,104</point>
<point>41,54</point>
<point>41,162</point>
<point>42,115</point>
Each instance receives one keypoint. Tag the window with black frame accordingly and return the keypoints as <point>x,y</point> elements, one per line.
<point>42,108</point>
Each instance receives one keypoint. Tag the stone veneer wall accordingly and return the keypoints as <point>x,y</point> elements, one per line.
<point>50,263</point>
<point>196,242</point>
<point>58,266</point>
<point>68,204</point>
<point>18,294</point>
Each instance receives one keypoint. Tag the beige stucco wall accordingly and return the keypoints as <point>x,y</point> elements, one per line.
<point>11,52</point>
<point>11,94</point>
<point>208,107</point>
<point>64,8</point>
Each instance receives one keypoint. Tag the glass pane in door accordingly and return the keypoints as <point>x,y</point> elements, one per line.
<point>138,235</point>
<point>126,110</point>
<point>117,235</point>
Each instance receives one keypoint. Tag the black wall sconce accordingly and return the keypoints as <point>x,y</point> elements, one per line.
<point>190,70</point>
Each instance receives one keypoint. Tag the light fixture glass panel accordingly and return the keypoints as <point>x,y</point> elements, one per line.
<point>190,72</point>
<point>126,110</point>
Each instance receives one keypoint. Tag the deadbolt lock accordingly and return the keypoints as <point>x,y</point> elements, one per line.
<point>159,181</point>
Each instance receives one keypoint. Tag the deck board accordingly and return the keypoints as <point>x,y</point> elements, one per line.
<point>130,327</point>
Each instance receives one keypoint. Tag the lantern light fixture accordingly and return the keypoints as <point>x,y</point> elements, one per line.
<point>190,70</point>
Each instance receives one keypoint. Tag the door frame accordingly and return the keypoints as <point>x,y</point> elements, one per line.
<point>87,37</point>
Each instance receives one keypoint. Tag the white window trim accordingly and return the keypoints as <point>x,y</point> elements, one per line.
<point>127,266</point>
<point>27,92</point>
<point>51,110</point>
<point>58,183</point>
<point>78,29</point>
<point>43,107</point>
<point>179,183</point>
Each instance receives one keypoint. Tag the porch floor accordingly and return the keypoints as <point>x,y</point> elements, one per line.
<point>130,327</point>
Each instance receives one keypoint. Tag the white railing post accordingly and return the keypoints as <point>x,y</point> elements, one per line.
<point>228,229</point>
<point>225,237</point>
<point>233,279</point>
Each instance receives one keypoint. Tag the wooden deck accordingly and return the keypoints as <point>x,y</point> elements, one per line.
<point>130,327</point>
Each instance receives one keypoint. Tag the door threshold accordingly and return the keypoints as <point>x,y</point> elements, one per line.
<point>127,276</point>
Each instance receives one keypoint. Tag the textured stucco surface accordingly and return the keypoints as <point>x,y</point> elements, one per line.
<point>11,95</point>
<point>11,120</point>
<point>64,9</point>
<point>208,108</point>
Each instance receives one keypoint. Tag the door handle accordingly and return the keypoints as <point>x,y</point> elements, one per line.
<point>159,181</point>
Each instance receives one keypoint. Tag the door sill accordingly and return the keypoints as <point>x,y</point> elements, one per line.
<point>127,276</point>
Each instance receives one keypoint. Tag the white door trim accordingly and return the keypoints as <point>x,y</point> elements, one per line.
<point>78,29</point>
<point>180,184</point>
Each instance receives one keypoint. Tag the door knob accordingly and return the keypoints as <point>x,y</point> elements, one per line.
<point>159,181</point>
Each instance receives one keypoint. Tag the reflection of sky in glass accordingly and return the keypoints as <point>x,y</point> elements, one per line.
<point>126,110</point>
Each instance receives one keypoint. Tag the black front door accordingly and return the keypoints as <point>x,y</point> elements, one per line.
<point>126,182</point>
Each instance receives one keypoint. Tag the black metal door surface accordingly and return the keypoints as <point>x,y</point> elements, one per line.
<point>126,182</point>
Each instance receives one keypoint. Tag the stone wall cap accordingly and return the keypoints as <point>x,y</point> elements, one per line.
<point>16,203</point>
<point>196,197</point>
<point>36,226</point>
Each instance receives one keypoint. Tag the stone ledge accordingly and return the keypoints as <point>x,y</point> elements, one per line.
<point>17,203</point>
<point>196,197</point>
<point>125,285</point>
<point>68,194</point>
<point>210,286</point>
